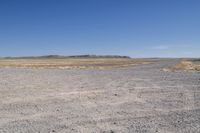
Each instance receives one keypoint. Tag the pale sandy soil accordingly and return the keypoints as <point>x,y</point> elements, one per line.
<point>134,99</point>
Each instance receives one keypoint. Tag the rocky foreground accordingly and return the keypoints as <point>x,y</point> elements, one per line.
<point>142,99</point>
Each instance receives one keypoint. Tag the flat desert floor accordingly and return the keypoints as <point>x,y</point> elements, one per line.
<point>132,99</point>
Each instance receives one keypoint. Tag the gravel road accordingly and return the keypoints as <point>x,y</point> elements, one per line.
<point>141,99</point>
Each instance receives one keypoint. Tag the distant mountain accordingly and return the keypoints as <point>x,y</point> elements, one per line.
<point>62,57</point>
<point>196,59</point>
<point>98,56</point>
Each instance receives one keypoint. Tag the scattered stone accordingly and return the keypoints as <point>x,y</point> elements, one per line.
<point>111,131</point>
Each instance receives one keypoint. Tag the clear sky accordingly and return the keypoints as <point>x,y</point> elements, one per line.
<point>137,28</point>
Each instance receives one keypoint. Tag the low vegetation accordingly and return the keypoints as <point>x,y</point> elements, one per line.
<point>68,63</point>
<point>187,65</point>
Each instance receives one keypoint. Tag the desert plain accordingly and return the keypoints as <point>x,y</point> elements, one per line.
<point>98,96</point>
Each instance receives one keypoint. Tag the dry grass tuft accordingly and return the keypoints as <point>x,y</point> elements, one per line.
<point>185,65</point>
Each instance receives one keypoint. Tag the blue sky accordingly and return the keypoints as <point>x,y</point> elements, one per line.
<point>137,28</point>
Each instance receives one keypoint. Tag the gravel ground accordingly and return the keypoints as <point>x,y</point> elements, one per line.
<point>141,99</point>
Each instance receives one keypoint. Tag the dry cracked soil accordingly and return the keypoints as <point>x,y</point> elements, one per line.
<point>139,99</point>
